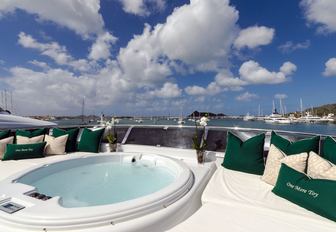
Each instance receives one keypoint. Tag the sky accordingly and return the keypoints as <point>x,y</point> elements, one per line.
<point>160,57</point>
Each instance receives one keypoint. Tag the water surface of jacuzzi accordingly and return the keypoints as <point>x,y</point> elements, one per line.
<point>93,191</point>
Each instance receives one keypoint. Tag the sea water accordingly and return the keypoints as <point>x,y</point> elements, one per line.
<point>315,128</point>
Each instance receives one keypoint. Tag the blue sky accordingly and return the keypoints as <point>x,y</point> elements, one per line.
<point>155,57</point>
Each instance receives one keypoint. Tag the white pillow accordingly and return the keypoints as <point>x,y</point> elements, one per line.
<point>3,144</point>
<point>26,140</point>
<point>55,145</point>
<point>274,160</point>
<point>320,168</point>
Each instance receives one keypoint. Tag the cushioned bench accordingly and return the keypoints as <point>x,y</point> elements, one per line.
<point>235,201</point>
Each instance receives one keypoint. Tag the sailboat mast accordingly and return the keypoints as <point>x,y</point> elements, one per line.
<point>6,100</point>
<point>11,101</point>
<point>259,111</point>
<point>281,108</point>
<point>83,107</point>
<point>2,99</point>
<point>301,106</point>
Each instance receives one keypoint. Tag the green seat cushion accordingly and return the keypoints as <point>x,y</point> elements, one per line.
<point>31,133</point>
<point>4,134</point>
<point>316,195</point>
<point>24,151</point>
<point>329,149</point>
<point>247,156</point>
<point>71,145</point>
<point>90,140</point>
<point>290,148</point>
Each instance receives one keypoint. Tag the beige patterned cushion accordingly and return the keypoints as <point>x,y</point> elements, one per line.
<point>3,144</point>
<point>55,145</point>
<point>276,157</point>
<point>320,168</point>
<point>26,140</point>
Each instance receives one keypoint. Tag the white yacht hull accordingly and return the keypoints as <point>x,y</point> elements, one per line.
<point>8,121</point>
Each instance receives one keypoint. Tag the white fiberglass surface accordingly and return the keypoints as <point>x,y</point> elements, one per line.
<point>90,182</point>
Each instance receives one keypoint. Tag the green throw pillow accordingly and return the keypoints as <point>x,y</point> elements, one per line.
<point>4,134</point>
<point>33,133</point>
<point>245,156</point>
<point>290,148</point>
<point>71,145</point>
<point>24,151</point>
<point>90,140</point>
<point>316,195</point>
<point>329,149</point>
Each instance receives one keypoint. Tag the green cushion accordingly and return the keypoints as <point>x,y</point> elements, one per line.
<point>329,149</point>
<point>245,156</point>
<point>90,140</point>
<point>290,148</point>
<point>24,151</point>
<point>316,195</point>
<point>33,133</point>
<point>4,134</point>
<point>71,145</point>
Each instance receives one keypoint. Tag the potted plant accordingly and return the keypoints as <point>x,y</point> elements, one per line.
<point>200,144</point>
<point>112,136</point>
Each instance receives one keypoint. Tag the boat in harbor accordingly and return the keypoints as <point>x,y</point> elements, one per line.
<point>249,117</point>
<point>276,118</point>
<point>309,118</point>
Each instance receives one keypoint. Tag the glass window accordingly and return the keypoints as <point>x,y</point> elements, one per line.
<point>163,136</point>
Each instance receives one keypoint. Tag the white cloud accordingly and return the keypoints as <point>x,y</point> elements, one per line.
<point>40,64</point>
<point>251,72</point>
<point>142,7</point>
<point>101,48</point>
<point>55,51</point>
<point>253,37</point>
<point>247,96</point>
<point>82,17</point>
<point>288,68</point>
<point>148,56</point>
<point>195,90</point>
<point>330,68</point>
<point>280,96</point>
<point>59,91</point>
<point>322,13</point>
<point>290,46</point>
<point>223,82</point>
<point>198,34</point>
<point>168,90</point>
<point>140,61</point>
<point>227,81</point>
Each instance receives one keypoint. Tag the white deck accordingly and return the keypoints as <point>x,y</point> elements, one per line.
<point>160,220</point>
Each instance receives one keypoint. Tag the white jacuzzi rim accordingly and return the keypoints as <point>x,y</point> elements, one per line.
<point>74,218</point>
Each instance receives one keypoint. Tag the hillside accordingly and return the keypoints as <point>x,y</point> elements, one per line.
<point>324,109</point>
<point>201,114</point>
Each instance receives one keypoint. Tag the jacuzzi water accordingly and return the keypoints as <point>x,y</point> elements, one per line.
<point>94,191</point>
<point>98,183</point>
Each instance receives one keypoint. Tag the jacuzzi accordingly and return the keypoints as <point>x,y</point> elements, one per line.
<point>96,193</point>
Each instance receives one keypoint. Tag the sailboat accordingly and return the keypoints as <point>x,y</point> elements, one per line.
<point>180,120</point>
<point>277,118</point>
<point>308,117</point>
<point>249,117</point>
